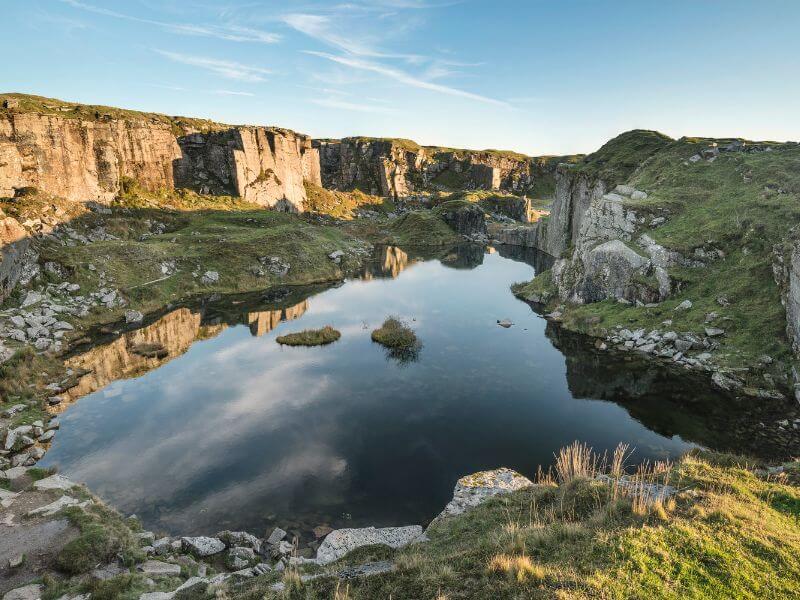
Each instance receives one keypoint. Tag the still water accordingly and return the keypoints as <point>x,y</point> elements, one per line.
<point>200,421</point>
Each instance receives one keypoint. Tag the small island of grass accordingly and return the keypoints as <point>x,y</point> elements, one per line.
<point>398,338</point>
<point>310,337</point>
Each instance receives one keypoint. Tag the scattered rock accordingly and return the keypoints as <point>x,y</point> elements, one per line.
<point>685,305</point>
<point>54,482</point>
<point>133,316</point>
<point>202,545</point>
<point>193,588</point>
<point>159,568</point>
<point>209,277</point>
<point>28,592</point>
<point>276,536</point>
<point>505,323</point>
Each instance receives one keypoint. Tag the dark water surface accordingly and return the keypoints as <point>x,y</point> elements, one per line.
<point>233,431</point>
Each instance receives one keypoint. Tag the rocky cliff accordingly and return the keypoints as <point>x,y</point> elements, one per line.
<point>14,246</point>
<point>78,154</point>
<point>401,168</point>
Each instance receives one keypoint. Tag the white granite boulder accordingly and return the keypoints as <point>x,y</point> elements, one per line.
<point>202,545</point>
<point>475,489</point>
<point>342,541</point>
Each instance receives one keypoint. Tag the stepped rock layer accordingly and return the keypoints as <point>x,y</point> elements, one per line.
<point>84,159</point>
<point>399,168</point>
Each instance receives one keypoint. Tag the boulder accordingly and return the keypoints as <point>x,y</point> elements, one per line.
<point>475,489</point>
<point>28,592</point>
<point>241,539</point>
<point>209,277</point>
<point>340,542</point>
<point>54,482</point>
<point>276,536</point>
<point>202,545</point>
<point>193,588</point>
<point>159,569</point>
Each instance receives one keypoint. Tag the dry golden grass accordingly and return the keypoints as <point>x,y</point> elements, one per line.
<point>519,568</point>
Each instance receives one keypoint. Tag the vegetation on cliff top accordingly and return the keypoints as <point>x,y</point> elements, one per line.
<point>616,160</point>
<point>310,337</point>
<point>90,112</point>
<point>737,206</point>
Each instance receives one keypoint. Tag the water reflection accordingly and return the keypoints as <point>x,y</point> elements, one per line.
<point>239,432</point>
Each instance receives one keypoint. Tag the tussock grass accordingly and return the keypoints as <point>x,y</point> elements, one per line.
<point>104,537</point>
<point>310,337</point>
<point>730,532</point>
<point>518,568</point>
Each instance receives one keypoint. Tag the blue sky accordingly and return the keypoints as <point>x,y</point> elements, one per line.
<point>533,76</point>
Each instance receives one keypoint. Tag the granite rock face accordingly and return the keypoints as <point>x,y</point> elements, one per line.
<point>266,166</point>
<point>398,168</point>
<point>83,160</point>
<point>88,159</point>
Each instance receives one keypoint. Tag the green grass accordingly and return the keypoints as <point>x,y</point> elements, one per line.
<point>421,228</point>
<point>230,242</point>
<point>104,536</point>
<point>741,203</point>
<point>344,205</point>
<point>310,337</point>
<point>720,538</point>
<point>617,159</point>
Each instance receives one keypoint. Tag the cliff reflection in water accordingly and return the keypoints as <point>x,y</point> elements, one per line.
<point>668,401</point>
<point>136,352</point>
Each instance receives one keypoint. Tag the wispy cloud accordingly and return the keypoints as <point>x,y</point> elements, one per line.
<point>231,93</point>
<point>321,28</point>
<point>354,106</point>
<point>223,68</point>
<point>403,77</point>
<point>231,33</point>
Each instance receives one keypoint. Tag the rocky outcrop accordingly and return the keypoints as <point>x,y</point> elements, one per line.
<point>400,168</point>
<point>83,159</point>
<point>463,217</point>
<point>14,247</point>
<point>786,270</point>
<point>266,166</point>
<point>473,490</point>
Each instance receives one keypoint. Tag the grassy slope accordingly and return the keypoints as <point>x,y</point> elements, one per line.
<point>742,203</point>
<point>730,534</point>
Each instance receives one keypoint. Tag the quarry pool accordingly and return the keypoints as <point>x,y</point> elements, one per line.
<point>199,421</point>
